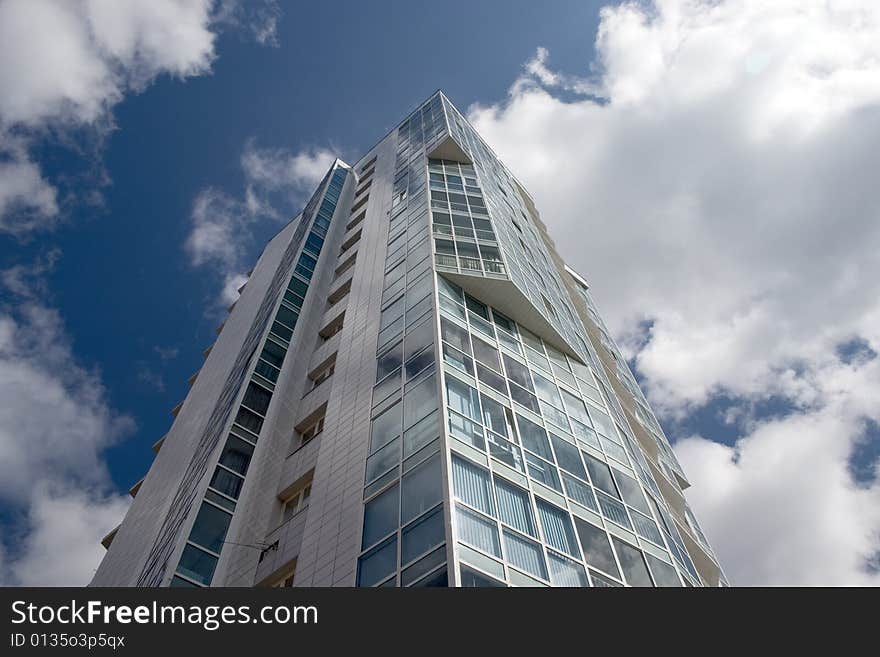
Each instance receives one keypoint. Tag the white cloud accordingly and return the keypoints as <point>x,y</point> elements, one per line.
<point>65,64</point>
<point>62,538</point>
<point>222,225</point>
<point>55,423</point>
<point>720,190</point>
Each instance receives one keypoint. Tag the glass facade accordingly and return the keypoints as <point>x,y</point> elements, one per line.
<point>427,376</point>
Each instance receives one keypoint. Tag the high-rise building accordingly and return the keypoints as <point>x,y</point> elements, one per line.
<point>413,390</point>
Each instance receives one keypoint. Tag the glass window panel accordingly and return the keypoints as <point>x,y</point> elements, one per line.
<point>455,335</point>
<point>391,314</point>
<point>421,434</point>
<point>542,471</point>
<point>419,401</point>
<point>518,373</point>
<point>556,524</point>
<point>524,554</point>
<point>631,492</point>
<point>458,359</point>
<point>477,531</point>
<point>486,354</point>
<point>476,307</point>
<point>257,398</point>
<point>237,454</point>
<point>418,338</point>
<point>633,564</point>
<point>495,415</point>
<point>602,422</point>
<point>554,415</point>
<point>600,475</point>
<point>273,353</point>
<point>383,460</point>
<point>533,437</point>
<point>421,536</point>
<point>226,482</point>
<point>597,549</point>
<point>197,564</point>
<point>381,516</point>
<point>646,528</point>
<point>568,456</point>
<point>586,434</point>
<point>473,579</point>
<point>419,363</point>
<point>579,492</point>
<point>389,361</point>
<point>525,399</point>
<point>602,582</point>
<point>386,387</point>
<point>450,289</point>
<point>514,507</point>
<point>473,485</point>
<point>664,573</point>
<point>378,564</point>
<point>491,379</point>
<point>575,407</point>
<point>421,489</point>
<point>466,431</point>
<point>209,529</point>
<point>547,390</point>
<point>565,572</point>
<point>386,427</point>
<point>463,398</point>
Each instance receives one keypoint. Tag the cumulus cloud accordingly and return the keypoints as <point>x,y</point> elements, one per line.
<point>277,182</point>
<point>55,423</point>
<point>65,64</point>
<point>715,172</point>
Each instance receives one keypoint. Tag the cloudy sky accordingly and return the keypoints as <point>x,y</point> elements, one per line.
<point>709,167</point>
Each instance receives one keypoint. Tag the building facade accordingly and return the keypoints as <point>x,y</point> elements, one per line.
<point>413,390</point>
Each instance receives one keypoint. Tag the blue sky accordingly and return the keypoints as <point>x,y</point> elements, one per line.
<point>703,165</point>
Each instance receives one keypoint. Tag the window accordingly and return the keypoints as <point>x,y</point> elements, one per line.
<point>209,529</point>
<point>455,335</point>
<point>633,564</point>
<point>496,417</point>
<point>419,401</point>
<point>568,457</point>
<point>664,574</point>
<point>422,535</point>
<point>421,489</point>
<point>546,390</point>
<point>257,398</point>
<point>558,531</point>
<point>473,579</point>
<point>565,572</point>
<point>197,564</point>
<point>486,354</point>
<point>631,492</point>
<point>312,431</point>
<point>237,454</point>
<point>524,554</point>
<point>601,475</point>
<point>514,507</point>
<point>473,485</point>
<point>386,427</point>
<point>389,361</point>
<point>378,564</point>
<point>297,502</point>
<point>541,470</point>
<point>323,374</point>
<point>533,437</point>
<point>518,373</point>
<point>463,398</point>
<point>381,516</point>
<point>597,549</point>
<point>477,531</point>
